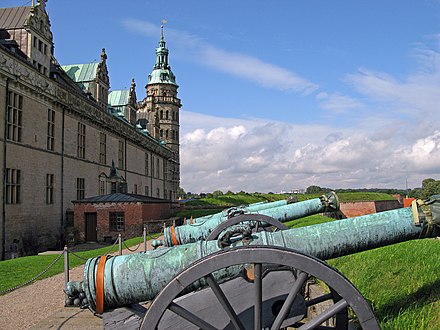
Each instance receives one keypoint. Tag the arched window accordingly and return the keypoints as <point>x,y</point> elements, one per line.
<point>166,115</point>
<point>161,114</point>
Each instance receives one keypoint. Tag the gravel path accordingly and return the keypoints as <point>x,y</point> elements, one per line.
<point>27,306</point>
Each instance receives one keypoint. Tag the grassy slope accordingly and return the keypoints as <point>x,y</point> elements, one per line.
<point>244,199</point>
<point>401,281</point>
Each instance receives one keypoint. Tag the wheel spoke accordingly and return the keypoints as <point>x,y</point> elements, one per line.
<point>324,316</point>
<point>301,279</point>
<point>187,315</point>
<point>319,299</point>
<point>224,301</point>
<point>258,308</point>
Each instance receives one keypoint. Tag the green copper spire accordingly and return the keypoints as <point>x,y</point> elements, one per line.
<point>162,73</point>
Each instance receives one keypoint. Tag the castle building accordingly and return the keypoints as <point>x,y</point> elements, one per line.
<point>64,134</point>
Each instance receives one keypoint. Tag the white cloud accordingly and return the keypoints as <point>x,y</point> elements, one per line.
<point>243,66</point>
<point>255,70</point>
<point>258,155</point>
<point>424,154</point>
<point>338,103</point>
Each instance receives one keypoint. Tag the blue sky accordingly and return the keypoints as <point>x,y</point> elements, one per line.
<point>279,94</point>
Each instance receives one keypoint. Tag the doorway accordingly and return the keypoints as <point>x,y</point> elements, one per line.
<point>91,227</point>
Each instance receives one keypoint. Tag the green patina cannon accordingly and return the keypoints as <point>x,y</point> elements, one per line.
<point>268,214</point>
<point>260,281</point>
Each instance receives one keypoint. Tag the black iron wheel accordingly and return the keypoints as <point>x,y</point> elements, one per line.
<point>212,272</point>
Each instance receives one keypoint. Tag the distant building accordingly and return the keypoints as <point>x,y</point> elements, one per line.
<point>64,132</point>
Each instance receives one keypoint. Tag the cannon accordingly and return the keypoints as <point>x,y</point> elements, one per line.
<point>268,214</point>
<point>255,281</point>
<point>243,209</point>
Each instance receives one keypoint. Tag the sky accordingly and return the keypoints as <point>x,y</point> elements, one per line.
<point>279,95</point>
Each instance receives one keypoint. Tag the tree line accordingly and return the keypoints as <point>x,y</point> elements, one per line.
<point>429,187</point>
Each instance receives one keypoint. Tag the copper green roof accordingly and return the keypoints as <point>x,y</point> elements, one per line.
<point>118,98</point>
<point>81,73</point>
<point>162,73</point>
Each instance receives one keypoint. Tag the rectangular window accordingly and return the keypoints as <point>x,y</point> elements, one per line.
<point>135,188</point>
<point>50,129</point>
<point>116,221</point>
<point>13,186</point>
<point>80,188</point>
<point>165,170</point>
<point>102,148</point>
<point>15,117</point>
<point>101,187</point>
<point>157,168</point>
<point>35,41</point>
<point>49,188</point>
<point>147,164</point>
<point>113,188</point>
<point>121,154</point>
<point>152,166</point>
<point>40,45</point>
<point>69,218</point>
<point>147,191</point>
<point>81,141</point>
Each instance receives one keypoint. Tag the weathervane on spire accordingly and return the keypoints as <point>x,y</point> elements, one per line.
<point>164,21</point>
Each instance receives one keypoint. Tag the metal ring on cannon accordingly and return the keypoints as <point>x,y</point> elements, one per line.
<point>271,298</point>
<point>258,218</point>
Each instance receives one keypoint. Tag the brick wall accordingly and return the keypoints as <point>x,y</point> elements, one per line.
<point>356,209</point>
<point>135,215</point>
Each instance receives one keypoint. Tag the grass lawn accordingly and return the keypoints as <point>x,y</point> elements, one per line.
<point>15,272</point>
<point>401,281</point>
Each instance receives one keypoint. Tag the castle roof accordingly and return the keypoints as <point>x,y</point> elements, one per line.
<point>81,73</point>
<point>14,18</point>
<point>122,198</point>
<point>162,73</point>
<point>119,98</point>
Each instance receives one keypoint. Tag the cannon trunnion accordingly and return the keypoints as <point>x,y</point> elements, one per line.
<point>260,280</point>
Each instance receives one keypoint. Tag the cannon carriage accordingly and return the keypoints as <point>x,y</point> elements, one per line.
<point>256,280</point>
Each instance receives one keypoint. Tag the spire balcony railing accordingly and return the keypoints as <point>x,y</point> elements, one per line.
<point>164,99</point>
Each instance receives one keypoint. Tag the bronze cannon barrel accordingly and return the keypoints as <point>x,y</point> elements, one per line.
<point>279,211</point>
<point>122,280</point>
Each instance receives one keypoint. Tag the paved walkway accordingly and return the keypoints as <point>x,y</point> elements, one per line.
<point>70,318</point>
